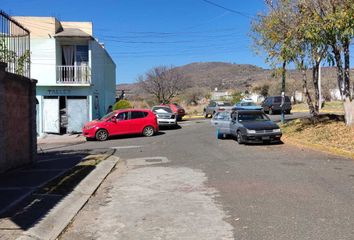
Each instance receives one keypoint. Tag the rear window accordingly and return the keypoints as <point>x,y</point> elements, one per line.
<point>138,114</point>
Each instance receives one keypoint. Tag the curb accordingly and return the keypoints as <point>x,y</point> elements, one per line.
<point>318,147</point>
<point>55,222</point>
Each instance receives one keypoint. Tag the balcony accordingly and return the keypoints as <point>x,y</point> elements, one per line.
<point>80,75</point>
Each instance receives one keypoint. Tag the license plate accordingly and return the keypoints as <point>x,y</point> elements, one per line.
<point>266,138</point>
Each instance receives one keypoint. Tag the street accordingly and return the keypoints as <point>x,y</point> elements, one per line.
<point>186,184</point>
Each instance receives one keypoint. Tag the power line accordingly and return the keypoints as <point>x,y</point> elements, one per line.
<point>228,9</point>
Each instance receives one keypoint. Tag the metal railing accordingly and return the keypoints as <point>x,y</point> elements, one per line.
<point>14,46</point>
<point>73,75</point>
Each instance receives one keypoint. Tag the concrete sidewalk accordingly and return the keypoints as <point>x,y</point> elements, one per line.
<point>49,141</point>
<point>23,203</point>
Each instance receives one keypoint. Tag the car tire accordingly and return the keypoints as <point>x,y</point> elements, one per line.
<point>239,137</point>
<point>179,118</point>
<point>101,135</point>
<point>148,131</point>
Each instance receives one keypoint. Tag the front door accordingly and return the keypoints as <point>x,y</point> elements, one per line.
<point>51,122</point>
<point>120,125</point>
<point>77,113</point>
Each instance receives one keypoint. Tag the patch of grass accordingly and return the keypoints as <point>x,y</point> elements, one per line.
<point>71,178</point>
<point>329,107</point>
<point>330,132</point>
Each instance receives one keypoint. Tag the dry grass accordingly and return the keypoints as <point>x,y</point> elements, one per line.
<point>329,133</point>
<point>329,107</point>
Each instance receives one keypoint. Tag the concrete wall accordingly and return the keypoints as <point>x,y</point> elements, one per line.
<point>18,138</point>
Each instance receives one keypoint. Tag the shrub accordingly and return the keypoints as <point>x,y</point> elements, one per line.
<point>122,104</point>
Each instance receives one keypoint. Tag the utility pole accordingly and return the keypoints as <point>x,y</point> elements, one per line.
<point>319,87</point>
<point>282,117</point>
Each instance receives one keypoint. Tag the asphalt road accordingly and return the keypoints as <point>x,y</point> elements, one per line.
<point>186,184</point>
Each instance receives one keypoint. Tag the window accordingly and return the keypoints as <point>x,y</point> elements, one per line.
<point>137,114</point>
<point>122,116</point>
<point>252,117</point>
<point>81,54</point>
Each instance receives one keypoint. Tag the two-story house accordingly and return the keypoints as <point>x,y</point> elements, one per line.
<point>75,73</point>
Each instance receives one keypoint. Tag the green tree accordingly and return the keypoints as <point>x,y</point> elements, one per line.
<point>122,104</point>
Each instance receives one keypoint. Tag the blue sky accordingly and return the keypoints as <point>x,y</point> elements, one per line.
<point>141,34</point>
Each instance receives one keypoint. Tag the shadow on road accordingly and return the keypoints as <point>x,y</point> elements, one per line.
<point>28,194</point>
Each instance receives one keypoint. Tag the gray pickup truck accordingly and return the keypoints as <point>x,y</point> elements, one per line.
<point>216,106</point>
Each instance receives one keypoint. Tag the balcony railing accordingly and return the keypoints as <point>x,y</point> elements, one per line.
<point>14,46</point>
<point>73,75</point>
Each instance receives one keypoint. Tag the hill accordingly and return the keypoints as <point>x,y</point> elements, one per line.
<point>243,77</point>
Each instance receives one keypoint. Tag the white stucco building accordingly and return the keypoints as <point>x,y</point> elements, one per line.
<point>76,75</point>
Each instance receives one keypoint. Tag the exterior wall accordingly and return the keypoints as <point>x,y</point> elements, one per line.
<point>40,27</point>
<point>18,142</point>
<point>103,78</point>
<point>44,60</point>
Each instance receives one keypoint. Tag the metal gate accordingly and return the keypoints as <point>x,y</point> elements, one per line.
<point>51,115</point>
<point>77,111</point>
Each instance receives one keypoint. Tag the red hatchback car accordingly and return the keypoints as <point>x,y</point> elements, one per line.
<point>125,121</point>
<point>177,109</point>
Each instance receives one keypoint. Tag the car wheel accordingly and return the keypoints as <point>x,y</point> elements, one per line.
<point>239,137</point>
<point>101,135</point>
<point>148,131</point>
<point>179,118</point>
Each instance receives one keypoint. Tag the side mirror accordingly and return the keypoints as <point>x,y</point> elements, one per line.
<point>114,120</point>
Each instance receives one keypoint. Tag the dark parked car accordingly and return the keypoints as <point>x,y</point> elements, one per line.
<point>254,126</point>
<point>216,106</point>
<point>272,104</point>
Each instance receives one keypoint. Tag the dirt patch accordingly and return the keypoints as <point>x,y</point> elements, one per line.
<point>330,133</point>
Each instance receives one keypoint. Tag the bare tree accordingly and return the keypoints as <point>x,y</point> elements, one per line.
<point>164,83</point>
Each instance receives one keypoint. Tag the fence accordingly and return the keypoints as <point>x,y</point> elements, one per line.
<point>14,46</point>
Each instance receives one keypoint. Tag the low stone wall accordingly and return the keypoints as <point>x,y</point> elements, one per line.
<point>18,137</point>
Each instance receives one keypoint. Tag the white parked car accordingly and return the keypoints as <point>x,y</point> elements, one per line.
<point>165,116</point>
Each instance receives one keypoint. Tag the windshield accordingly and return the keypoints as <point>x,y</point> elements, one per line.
<point>107,116</point>
<point>248,104</point>
<point>162,109</point>
<point>252,117</point>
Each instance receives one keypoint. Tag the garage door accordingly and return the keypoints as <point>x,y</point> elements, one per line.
<point>77,110</point>
<point>51,114</point>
